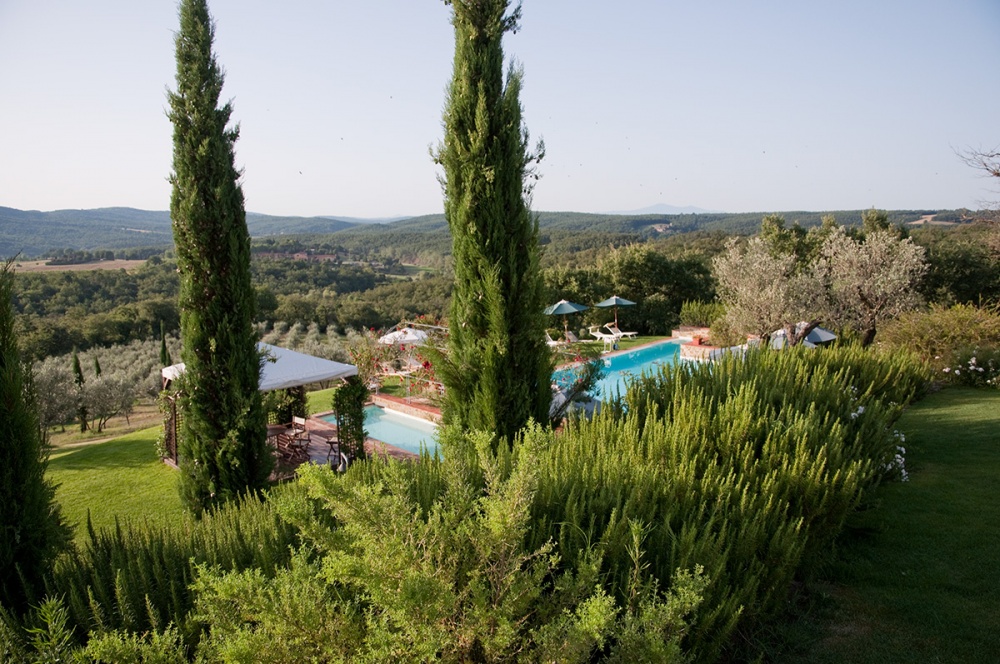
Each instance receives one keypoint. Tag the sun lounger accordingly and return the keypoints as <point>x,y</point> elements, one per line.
<point>552,343</point>
<point>608,339</point>
<point>618,334</point>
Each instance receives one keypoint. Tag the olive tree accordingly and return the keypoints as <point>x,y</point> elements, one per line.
<point>763,290</point>
<point>869,280</point>
<point>59,406</point>
<point>108,396</point>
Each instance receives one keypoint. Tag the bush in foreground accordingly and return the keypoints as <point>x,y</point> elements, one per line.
<point>670,527</point>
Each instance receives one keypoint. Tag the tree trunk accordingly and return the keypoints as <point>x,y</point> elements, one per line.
<point>868,337</point>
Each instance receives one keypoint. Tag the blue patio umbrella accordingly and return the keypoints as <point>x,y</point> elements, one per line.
<point>564,308</point>
<point>820,335</point>
<point>615,301</point>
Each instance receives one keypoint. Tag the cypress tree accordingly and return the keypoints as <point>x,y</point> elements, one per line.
<point>31,528</point>
<point>81,407</point>
<point>223,448</point>
<point>165,359</point>
<point>498,369</point>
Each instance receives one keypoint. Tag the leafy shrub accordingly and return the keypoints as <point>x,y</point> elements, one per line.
<point>701,314</point>
<point>975,368</point>
<point>136,577</point>
<point>945,336</point>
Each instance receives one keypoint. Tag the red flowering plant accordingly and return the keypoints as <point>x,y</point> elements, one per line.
<point>369,356</point>
<point>424,373</point>
<point>576,383</point>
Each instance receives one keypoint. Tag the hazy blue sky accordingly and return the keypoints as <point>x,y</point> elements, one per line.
<point>727,105</point>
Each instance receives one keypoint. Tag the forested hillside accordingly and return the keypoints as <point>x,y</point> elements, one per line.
<point>34,234</point>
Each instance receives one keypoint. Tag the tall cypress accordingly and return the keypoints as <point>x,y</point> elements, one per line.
<point>223,448</point>
<point>165,359</point>
<point>31,529</point>
<point>78,380</point>
<point>498,369</point>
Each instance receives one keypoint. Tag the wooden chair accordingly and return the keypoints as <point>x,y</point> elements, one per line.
<point>299,436</point>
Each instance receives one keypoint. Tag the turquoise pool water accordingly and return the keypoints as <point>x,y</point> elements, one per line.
<point>620,369</point>
<point>397,429</point>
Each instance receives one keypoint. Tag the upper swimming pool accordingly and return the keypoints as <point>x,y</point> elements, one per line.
<point>619,369</point>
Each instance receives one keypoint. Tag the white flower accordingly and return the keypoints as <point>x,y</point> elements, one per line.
<point>946,369</point>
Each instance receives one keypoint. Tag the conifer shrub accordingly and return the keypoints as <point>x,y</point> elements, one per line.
<point>429,561</point>
<point>32,530</point>
<point>747,467</point>
<point>136,577</point>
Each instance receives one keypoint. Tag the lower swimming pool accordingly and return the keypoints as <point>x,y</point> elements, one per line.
<point>398,429</point>
<point>621,368</point>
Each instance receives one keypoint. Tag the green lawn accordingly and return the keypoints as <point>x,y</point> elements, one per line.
<point>919,579</point>
<point>122,477</point>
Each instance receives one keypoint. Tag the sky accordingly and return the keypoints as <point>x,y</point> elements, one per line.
<point>728,105</point>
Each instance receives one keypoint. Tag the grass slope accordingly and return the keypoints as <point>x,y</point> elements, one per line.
<point>120,478</point>
<point>918,581</point>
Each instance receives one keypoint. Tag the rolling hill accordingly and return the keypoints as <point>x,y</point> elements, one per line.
<point>32,233</point>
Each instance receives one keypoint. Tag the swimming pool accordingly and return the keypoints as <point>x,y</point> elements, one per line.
<point>398,429</point>
<point>621,368</point>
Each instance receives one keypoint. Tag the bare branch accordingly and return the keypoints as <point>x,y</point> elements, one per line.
<point>987,161</point>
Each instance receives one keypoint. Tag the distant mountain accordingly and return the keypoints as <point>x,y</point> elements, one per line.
<point>263,224</point>
<point>32,233</point>
<point>373,220</point>
<point>663,208</point>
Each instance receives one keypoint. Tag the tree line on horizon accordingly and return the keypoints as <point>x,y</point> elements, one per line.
<point>45,234</point>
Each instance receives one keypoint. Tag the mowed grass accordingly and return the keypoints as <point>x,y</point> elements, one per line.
<point>919,579</point>
<point>120,478</point>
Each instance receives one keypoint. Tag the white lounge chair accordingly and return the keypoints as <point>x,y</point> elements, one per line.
<point>552,343</point>
<point>572,338</point>
<point>619,334</point>
<point>608,339</point>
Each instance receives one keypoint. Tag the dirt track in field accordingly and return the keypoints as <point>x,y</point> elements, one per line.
<point>43,266</point>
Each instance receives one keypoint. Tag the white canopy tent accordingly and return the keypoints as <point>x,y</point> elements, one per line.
<point>404,335</point>
<point>284,368</point>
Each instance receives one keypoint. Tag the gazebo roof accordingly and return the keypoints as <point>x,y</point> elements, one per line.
<point>284,368</point>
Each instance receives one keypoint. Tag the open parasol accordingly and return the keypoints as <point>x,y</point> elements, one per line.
<point>564,308</point>
<point>615,301</point>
